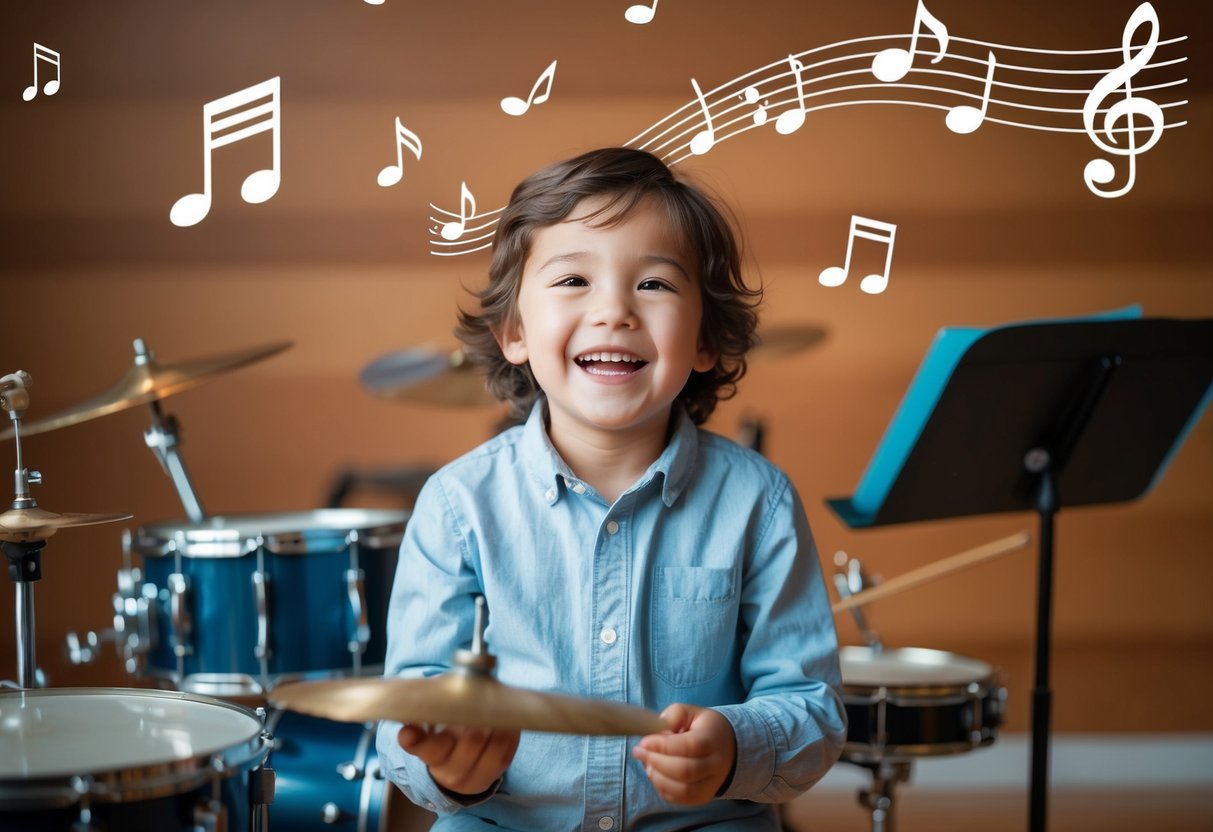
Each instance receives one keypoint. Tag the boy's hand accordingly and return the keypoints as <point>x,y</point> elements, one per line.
<point>461,760</point>
<point>689,763</point>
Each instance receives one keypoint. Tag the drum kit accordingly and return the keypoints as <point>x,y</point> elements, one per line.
<point>261,640</point>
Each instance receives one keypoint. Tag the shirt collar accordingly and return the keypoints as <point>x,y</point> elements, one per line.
<point>551,475</point>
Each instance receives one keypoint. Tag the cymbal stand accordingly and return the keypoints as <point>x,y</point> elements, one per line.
<point>851,579</point>
<point>163,437</point>
<point>24,556</point>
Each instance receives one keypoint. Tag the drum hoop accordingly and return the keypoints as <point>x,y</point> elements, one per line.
<point>379,529</point>
<point>135,782</point>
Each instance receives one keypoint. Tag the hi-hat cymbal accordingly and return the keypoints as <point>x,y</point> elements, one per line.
<point>463,698</point>
<point>147,380</point>
<point>781,340</point>
<point>428,375</point>
<point>19,525</point>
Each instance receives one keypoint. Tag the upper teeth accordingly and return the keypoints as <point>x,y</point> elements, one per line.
<point>610,356</point>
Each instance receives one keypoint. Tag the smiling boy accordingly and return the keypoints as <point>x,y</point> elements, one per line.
<point>625,553</point>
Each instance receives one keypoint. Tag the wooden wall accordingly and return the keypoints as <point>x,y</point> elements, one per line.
<point>992,227</point>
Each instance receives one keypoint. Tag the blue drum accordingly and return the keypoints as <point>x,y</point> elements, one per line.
<point>116,759</point>
<point>232,605</point>
<point>328,778</point>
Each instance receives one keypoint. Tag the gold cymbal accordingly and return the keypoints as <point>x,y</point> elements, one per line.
<point>780,340</point>
<point>147,380</point>
<point>427,375</point>
<point>464,698</point>
<point>18,525</point>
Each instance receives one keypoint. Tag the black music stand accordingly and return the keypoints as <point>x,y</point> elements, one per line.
<point>1034,417</point>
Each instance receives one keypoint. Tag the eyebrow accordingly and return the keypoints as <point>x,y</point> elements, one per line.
<point>647,259</point>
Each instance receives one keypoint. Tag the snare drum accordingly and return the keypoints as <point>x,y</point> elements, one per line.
<point>912,702</point>
<point>328,778</point>
<point>239,603</point>
<point>111,759</point>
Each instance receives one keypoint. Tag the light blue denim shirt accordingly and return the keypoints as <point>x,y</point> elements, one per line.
<point>700,584</point>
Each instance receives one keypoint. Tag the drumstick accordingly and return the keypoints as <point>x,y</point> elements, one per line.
<point>934,570</point>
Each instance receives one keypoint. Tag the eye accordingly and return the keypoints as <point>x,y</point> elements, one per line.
<point>571,280</point>
<point>651,284</point>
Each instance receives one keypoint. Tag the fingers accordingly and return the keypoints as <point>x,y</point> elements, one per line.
<point>689,766</point>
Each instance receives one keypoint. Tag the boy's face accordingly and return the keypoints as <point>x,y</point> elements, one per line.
<point>609,317</point>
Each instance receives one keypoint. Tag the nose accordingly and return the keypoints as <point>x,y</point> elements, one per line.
<point>613,307</point>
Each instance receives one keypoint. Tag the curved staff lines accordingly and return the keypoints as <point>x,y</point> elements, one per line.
<point>816,80</point>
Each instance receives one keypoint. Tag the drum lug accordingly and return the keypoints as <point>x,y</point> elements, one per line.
<point>331,813</point>
<point>179,610</point>
<point>262,649</point>
<point>355,587</point>
<point>349,771</point>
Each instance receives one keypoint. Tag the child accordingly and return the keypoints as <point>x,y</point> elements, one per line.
<point>624,553</point>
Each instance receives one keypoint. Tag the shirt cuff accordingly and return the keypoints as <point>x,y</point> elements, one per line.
<point>754,766</point>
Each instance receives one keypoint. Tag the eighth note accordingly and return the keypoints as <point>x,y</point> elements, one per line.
<point>893,64</point>
<point>224,114</point>
<point>640,13</point>
<point>965,118</point>
<point>42,53</point>
<point>865,229</point>
<point>467,209</point>
<point>404,138</point>
<point>515,106</point>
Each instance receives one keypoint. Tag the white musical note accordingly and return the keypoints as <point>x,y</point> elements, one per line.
<point>467,209</point>
<point>866,229</point>
<point>965,118</point>
<point>373,2</point>
<point>1101,171</point>
<point>790,121</point>
<point>750,95</point>
<point>640,13</point>
<point>514,106</point>
<point>43,53</point>
<point>892,64</point>
<point>702,141</point>
<point>404,138</point>
<point>221,115</point>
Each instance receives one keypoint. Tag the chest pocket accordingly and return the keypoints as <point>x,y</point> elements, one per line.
<point>694,623</point>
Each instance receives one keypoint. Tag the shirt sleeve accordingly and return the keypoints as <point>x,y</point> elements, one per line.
<point>792,726</point>
<point>430,614</point>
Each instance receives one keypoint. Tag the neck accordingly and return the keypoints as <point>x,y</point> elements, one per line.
<point>608,460</point>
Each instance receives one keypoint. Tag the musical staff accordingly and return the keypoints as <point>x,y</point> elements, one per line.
<point>405,137</point>
<point>1036,89</point>
<point>49,56</point>
<point>244,114</point>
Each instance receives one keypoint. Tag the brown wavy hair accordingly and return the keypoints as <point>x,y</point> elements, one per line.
<point>625,177</point>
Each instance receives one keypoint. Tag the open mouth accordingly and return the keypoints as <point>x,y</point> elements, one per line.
<point>610,363</point>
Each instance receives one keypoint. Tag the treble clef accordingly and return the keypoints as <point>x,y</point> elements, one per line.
<point>1100,171</point>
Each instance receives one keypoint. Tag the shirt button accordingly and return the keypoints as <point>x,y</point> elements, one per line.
<point>606,823</point>
<point>550,494</point>
<point>578,488</point>
<point>612,528</point>
<point>608,635</point>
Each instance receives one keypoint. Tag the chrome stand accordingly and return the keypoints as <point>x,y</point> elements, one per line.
<point>878,799</point>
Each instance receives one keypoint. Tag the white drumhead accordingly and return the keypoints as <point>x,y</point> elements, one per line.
<point>905,667</point>
<point>55,732</point>
<point>292,532</point>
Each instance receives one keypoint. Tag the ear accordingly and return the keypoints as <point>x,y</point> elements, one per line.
<point>512,342</point>
<point>705,360</point>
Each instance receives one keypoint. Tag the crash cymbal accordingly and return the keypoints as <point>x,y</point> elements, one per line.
<point>780,340</point>
<point>428,375</point>
<point>18,525</point>
<point>464,698</point>
<point>147,380</point>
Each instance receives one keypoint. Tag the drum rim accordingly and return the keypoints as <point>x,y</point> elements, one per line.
<point>985,680</point>
<point>133,782</point>
<point>235,535</point>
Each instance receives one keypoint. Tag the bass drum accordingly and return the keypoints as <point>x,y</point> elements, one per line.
<point>117,759</point>
<point>909,702</point>
<point>328,778</point>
